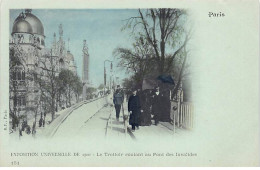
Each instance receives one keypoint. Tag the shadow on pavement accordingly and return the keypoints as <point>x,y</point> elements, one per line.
<point>115,122</point>
<point>102,118</point>
<point>117,129</point>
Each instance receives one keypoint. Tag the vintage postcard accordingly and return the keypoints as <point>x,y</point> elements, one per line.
<point>129,83</point>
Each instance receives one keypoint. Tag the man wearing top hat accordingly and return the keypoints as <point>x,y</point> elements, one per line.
<point>134,108</point>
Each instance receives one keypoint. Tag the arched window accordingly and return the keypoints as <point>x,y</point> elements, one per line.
<point>23,75</point>
<point>18,101</point>
<point>14,75</point>
<point>62,63</point>
<point>35,76</point>
<point>15,101</point>
<point>23,101</point>
<point>19,76</point>
<point>18,73</point>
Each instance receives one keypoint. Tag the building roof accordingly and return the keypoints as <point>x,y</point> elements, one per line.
<point>70,56</point>
<point>34,22</point>
<point>22,26</point>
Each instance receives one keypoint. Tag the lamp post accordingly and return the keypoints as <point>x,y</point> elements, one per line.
<point>117,80</point>
<point>105,75</point>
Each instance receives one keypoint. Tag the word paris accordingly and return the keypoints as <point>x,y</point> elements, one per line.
<point>213,14</point>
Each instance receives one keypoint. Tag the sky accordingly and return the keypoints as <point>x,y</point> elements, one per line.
<point>101,28</point>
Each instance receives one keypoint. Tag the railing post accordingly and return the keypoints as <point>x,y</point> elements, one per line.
<point>188,122</point>
<point>184,109</point>
<point>178,113</point>
<point>111,117</point>
<point>185,115</point>
<point>174,120</point>
<point>181,106</point>
<point>192,116</point>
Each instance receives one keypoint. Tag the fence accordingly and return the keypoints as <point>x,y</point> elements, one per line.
<point>182,114</point>
<point>186,115</point>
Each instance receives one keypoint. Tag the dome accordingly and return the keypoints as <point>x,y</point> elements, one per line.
<point>22,26</point>
<point>70,56</point>
<point>35,23</point>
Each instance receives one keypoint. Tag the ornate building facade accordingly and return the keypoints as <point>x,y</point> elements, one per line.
<point>29,59</point>
<point>64,56</point>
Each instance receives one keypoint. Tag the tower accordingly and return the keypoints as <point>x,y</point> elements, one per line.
<point>85,73</point>
<point>61,42</point>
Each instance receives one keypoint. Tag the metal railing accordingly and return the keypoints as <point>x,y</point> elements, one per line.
<point>186,115</point>
<point>182,115</point>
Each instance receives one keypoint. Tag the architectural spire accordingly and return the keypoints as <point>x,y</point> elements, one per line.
<point>54,44</point>
<point>54,38</point>
<point>85,47</point>
<point>68,44</point>
<point>84,43</point>
<point>22,15</point>
<point>60,30</point>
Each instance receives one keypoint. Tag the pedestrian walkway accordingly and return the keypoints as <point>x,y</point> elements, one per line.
<point>117,128</point>
<point>101,124</point>
<point>83,123</point>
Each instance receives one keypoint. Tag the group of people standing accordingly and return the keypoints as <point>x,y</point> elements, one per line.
<point>143,106</point>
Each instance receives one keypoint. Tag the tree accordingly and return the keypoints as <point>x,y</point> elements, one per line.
<point>164,31</point>
<point>70,84</point>
<point>67,78</point>
<point>138,60</point>
<point>90,91</point>
<point>46,77</point>
<point>128,83</point>
<point>77,87</point>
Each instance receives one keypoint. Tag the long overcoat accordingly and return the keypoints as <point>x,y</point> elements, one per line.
<point>145,117</point>
<point>134,105</point>
<point>157,103</point>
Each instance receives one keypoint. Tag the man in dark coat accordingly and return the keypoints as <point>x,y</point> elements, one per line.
<point>145,117</point>
<point>157,105</point>
<point>166,106</point>
<point>118,99</point>
<point>134,108</point>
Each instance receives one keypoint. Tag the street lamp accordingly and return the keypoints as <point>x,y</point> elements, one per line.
<point>105,71</point>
